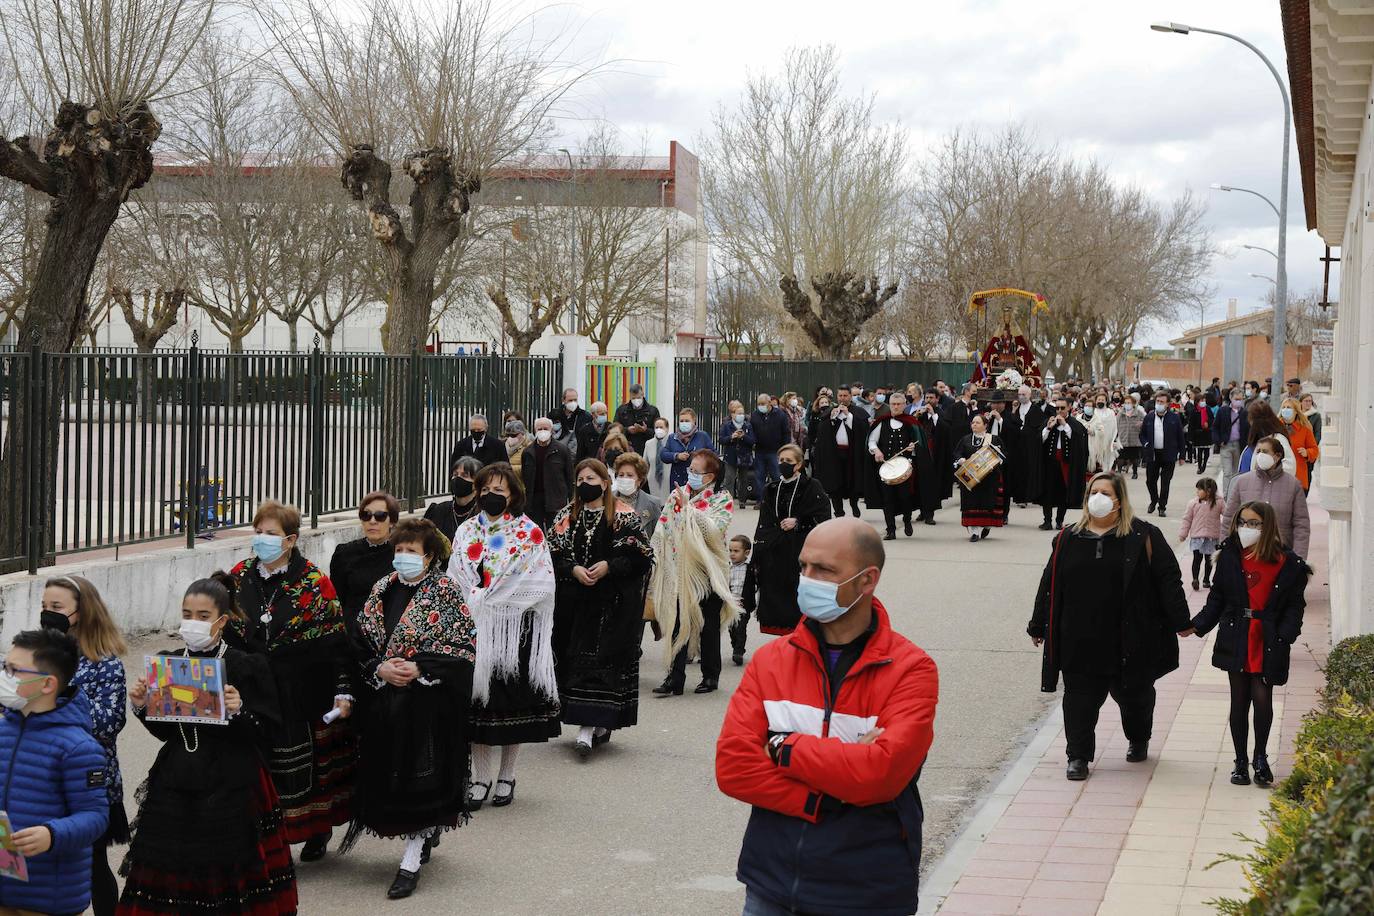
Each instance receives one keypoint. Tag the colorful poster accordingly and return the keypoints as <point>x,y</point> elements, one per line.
<point>184,689</point>
<point>12,864</point>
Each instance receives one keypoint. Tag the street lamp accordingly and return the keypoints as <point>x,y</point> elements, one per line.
<point>1281,292</point>
<point>1261,248</point>
<point>1263,277</point>
<point>1227,187</point>
<point>572,243</point>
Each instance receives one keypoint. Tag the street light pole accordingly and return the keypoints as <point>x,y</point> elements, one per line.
<point>1280,334</point>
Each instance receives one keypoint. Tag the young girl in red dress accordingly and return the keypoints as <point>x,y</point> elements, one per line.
<point>1257,600</point>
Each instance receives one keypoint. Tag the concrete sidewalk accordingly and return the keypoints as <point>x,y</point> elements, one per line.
<point>1134,839</point>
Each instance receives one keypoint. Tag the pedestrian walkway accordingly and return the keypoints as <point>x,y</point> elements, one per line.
<point>1134,839</point>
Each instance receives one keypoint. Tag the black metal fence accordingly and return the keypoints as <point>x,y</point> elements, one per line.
<point>708,385</point>
<point>132,447</point>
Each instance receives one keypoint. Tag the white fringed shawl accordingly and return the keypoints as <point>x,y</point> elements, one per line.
<point>506,572</point>
<point>691,562</point>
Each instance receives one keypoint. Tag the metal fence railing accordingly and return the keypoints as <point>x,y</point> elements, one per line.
<point>707,385</point>
<point>112,448</point>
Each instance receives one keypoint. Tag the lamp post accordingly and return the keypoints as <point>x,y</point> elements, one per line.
<point>1261,248</point>
<point>1281,284</point>
<point>1263,277</point>
<point>572,244</point>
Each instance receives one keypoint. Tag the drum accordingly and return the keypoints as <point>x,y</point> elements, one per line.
<point>978,466</point>
<point>895,470</point>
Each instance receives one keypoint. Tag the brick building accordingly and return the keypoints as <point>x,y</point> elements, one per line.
<point>1236,349</point>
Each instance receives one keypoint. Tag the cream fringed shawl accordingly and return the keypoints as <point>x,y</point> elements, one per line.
<point>691,562</point>
<point>506,572</point>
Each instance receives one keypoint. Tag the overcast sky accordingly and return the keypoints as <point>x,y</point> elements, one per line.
<point>1167,112</point>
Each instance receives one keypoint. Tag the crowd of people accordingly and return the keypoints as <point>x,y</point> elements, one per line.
<point>392,695</point>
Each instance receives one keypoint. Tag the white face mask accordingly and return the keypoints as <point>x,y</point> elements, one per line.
<point>543,435</point>
<point>660,432</point>
<point>795,402</point>
<point>1249,537</point>
<point>196,634</point>
<point>1100,505</point>
<point>9,692</point>
<point>637,402</point>
<point>570,406</point>
<point>1265,461</point>
<point>625,486</point>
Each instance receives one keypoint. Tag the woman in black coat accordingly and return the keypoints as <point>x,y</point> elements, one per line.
<point>357,565</point>
<point>1257,598</point>
<point>1110,601</point>
<point>792,506</point>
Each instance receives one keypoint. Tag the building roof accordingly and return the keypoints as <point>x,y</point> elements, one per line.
<point>1221,327</point>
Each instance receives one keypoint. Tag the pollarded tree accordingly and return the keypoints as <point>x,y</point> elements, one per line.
<point>805,188</point>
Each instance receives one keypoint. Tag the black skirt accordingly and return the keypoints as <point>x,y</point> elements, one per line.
<point>515,713</point>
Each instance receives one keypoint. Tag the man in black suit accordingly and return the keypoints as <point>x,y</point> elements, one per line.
<point>1161,441</point>
<point>477,444</point>
<point>1063,464</point>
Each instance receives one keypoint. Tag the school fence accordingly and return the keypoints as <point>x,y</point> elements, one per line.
<point>708,385</point>
<point>102,449</point>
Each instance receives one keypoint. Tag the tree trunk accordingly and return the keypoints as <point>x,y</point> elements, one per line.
<point>328,338</point>
<point>291,332</point>
<point>844,302</point>
<point>236,338</point>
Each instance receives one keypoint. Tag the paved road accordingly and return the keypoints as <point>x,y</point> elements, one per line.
<point>641,828</point>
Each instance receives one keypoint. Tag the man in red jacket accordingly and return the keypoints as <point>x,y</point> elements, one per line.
<point>825,737</point>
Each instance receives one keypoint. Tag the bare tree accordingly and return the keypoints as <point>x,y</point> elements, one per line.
<point>805,188</point>
<point>153,317</point>
<point>744,315</point>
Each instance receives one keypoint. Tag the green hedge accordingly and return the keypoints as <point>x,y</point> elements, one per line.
<point>1350,670</point>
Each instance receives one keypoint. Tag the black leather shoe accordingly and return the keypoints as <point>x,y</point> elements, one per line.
<point>929,519</point>
<point>1137,751</point>
<point>706,686</point>
<point>983,535</point>
<point>1045,526</point>
<point>1161,512</point>
<point>404,885</point>
<point>1240,776</point>
<point>890,536</point>
<point>738,659</point>
<point>668,689</point>
<point>1151,510</point>
<point>430,843</point>
<point>598,740</point>
<point>906,526</point>
<point>1078,769</point>
<point>315,848</point>
<point>1264,777</point>
<point>1196,586</point>
<point>501,801</point>
<point>973,539</point>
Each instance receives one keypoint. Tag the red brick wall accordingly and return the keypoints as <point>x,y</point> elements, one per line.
<point>1259,355</point>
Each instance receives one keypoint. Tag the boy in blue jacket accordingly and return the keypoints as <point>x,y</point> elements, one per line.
<point>52,774</point>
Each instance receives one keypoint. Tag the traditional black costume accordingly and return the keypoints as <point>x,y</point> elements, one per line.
<point>356,566</point>
<point>839,454</point>
<point>1030,447</point>
<point>903,435</point>
<point>774,562</point>
<point>985,505</point>
<point>447,515</point>
<point>1063,469</point>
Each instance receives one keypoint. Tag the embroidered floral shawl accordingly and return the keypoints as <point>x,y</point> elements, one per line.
<point>436,620</point>
<point>692,562</point>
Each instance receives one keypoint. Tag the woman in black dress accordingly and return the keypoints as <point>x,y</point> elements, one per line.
<point>600,558</point>
<point>985,506</point>
<point>358,564</point>
<point>792,506</point>
<point>1109,605</point>
<point>417,651</point>
<point>451,513</point>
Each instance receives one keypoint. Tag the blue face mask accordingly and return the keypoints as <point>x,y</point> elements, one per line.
<point>1087,410</point>
<point>409,565</point>
<point>267,547</point>
<point>1161,408</point>
<point>817,598</point>
<point>685,426</point>
<point>881,398</point>
<point>1287,414</point>
<point>695,481</point>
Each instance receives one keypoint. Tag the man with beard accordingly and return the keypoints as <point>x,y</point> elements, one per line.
<point>1064,464</point>
<point>838,452</point>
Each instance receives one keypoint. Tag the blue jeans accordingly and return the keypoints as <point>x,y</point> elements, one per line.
<point>759,905</point>
<point>765,471</point>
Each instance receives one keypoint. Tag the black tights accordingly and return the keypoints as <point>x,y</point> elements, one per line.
<point>104,888</point>
<point>1198,560</point>
<point>1247,690</point>
<point>1204,454</point>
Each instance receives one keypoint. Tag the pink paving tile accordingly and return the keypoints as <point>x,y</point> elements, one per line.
<point>981,904</point>
<point>1075,871</point>
<point>1016,822</point>
<point>1034,809</point>
<point>1090,840</point>
<point>1021,837</point>
<point>1098,824</point>
<point>1048,906</point>
<point>996,887</point>
<point>1068,890</point>
<point>1090,809</point>
<point>1010,852</point>
<point>992,868</point>
<point>1086,855</point>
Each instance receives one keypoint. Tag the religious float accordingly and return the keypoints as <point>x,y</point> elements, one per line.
<point>1007,362</point>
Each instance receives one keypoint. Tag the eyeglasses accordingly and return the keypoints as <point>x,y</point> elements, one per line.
<point>374,516</point>
<point>12,670</point>
<point>1256,525</point>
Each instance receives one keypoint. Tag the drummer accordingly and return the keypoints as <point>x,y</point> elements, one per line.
<point>982,506</point>
<point>901,487</point>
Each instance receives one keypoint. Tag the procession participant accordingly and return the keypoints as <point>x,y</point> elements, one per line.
<point>504,572</point>
<point>1197,419</point>
<point>680,446</point>
<point>1270,483</point>
<point>1162,443</point>
<point>1259,599</point>
<point>984,507</point>
<point>637,416</point>
<point>73,605</point>
<point>658,483</point>
<point>735,445</point>
<point>448,514</point>
<point>600,558</point>
<point>791,508</point>
<point>546,473</point>
<point>940,446</point>
<point>613,446</point>
<point>959,414</point>
<point>518,439</point>
<point>1063,464</point>
<point>1023,442</point>
<point>209,836</point>
<point>478,444</point>
<point>591,436</point>
<point>630,486</point>
<point>1304,441</point>
<point>772,431</point>
<point>1101,426</point>
<point>839,437</point>
<point>1230,434</point>
<point>836,820</point>
<point>416,648</point>
<point>690,585</point>
<point>568,420</point>
<point>1110,601</point>
<point>1265,423</point>
<point>357,564</point>
<point>291,611</point>
<point>901,434</point>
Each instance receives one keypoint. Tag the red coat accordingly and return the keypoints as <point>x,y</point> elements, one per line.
<point>836,824</point>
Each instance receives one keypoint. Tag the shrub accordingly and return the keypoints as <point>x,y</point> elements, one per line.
<point>1328,740</point>
<point>1350,670</point>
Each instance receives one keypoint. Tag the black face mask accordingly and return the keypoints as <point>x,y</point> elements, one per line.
<point>787,468</point>
<point>461,487</point>
<point>493,503</point>
<point>52,620</point>
<point>590,492</point>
